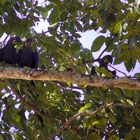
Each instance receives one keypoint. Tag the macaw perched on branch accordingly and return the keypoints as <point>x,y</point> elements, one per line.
<point>8,53</point>
<point>26,57</point>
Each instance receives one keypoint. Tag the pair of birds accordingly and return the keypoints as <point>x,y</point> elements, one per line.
<point>24,57</point>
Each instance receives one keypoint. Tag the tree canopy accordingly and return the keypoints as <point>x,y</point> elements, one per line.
<point>57,109</point>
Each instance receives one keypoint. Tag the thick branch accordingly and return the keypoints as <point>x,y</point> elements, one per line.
<point>33,74</point>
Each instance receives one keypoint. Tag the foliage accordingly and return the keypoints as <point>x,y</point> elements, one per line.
<point>40,112</point>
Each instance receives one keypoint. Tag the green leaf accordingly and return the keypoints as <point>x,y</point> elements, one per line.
<point>129,65</point>
<point>137,75</point>
<point>54,16</point>
<point>86,55</point>
<point>93,136</point>
<point>70,135</point>
<point>78,26</point>
<point>118,27</point>
<point>59,49</point>
<point>97,43</point>
<point>136,97</point>
<point>63,15</point>
<point>87,106</point>
<point>118,59</point>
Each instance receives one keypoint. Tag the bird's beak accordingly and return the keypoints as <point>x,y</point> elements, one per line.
<point>26,44</point>
<point>14,42</point>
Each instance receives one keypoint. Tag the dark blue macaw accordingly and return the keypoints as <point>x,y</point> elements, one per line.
<point>8,53</point>
<point>26,57</point>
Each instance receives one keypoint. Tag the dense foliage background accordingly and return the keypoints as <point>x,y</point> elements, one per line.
<point>41,112</point>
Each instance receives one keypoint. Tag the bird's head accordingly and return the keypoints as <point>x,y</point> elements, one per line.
<point>16,40</point>
<point>107,59</point>
<point>28,42</point>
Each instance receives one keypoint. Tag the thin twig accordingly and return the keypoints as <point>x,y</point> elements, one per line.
<point>117,70</point>
<point>5,38</point>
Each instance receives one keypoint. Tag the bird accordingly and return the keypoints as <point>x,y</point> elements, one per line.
<point>8,53</point>
<point>26,57</point>
<point>105,61</point>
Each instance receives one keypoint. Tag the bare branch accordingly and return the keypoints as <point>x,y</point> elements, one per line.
<point>75,78</point>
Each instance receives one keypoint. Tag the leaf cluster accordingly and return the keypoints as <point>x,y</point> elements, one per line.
<point>41,112</point>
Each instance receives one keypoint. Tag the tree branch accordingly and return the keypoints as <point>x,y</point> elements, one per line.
<point>81,79</point>
<point>88,113</point>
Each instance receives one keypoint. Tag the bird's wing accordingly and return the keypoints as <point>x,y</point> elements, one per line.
<point>36,59</point>
<point>19,56</point>
<point>1,54</point>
